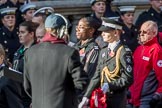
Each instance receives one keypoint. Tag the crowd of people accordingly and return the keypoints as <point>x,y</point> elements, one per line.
<point>114,63</point>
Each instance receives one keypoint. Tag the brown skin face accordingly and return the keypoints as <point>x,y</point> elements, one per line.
<point>83,31</point>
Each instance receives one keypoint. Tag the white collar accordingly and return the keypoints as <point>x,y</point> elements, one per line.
<point>113,45</point>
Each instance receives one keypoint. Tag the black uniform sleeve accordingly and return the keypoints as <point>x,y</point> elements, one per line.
<point>95,81</point>
<point>76,71</point>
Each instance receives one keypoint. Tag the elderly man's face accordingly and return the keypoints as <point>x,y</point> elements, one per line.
<point>146,34</point>
<point>156,4</point>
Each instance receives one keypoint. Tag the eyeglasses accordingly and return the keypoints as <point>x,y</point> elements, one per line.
<point>82,28</point>
<point>143,32</point>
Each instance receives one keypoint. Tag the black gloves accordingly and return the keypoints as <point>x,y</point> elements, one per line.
<point>155,100</point>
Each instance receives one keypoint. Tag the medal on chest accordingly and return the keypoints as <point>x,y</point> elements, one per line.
<point>111,54</point>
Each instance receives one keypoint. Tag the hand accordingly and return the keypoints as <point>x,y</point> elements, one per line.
<point>84,102</point>
<point>154,101</point>
<point>105,88</point>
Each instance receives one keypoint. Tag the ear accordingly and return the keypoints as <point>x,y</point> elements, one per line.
<point>32,34</point>
<point>2,57</point>
<point>122,17</point>
<point>2,20</point>
<point>93,8</point>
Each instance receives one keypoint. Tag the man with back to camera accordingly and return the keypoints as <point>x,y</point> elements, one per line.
<point>55,67</point>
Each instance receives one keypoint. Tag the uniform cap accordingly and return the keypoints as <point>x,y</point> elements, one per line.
<point>127,8</point>
<point>94,1</point>
<point>26,7</point>
<point>8,11</point>
<point>44,10</point>
<point>54,21</point>
<point>108,24</point>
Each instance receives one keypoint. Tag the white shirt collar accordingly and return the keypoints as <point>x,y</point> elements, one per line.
<point>113,45</point>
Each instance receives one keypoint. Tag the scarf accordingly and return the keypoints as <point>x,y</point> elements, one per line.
<point>53,39</point>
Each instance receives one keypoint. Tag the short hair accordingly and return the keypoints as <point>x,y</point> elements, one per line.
<point>30,26</point>
<point>152,26</point>
<point>91,22</point>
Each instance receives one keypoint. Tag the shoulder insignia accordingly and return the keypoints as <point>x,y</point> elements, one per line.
<point>127,49</point>
<point>159,63</point>
<point>96,47</point>
<point>103,55</point>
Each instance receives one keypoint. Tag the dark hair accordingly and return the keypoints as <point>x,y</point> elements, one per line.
<point>30,26</point>
<point>93,23</point>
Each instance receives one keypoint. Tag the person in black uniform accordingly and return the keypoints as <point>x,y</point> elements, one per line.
<point>130,32</point>
<point>98,10</point>
<point>114,71</point>
<point>9,32</point>
<point>154,13</point>
<point>27,11</point>
<point>87,47</point>
<point>27,38</point>
<point>9,91</point>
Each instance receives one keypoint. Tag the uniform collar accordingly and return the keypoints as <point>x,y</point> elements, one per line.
<point>113,45</point>
<point>85,44</point>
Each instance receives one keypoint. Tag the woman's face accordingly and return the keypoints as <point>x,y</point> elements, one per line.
<point>109,36</point>
<point>83,30</point>
<point>128,18</point>
<point>9,21</point>
<point>25,37</point>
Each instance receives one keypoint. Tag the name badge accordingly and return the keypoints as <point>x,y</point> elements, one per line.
<point>145,58</point>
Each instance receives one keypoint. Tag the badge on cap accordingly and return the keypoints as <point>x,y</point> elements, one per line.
<point>159,63</point>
